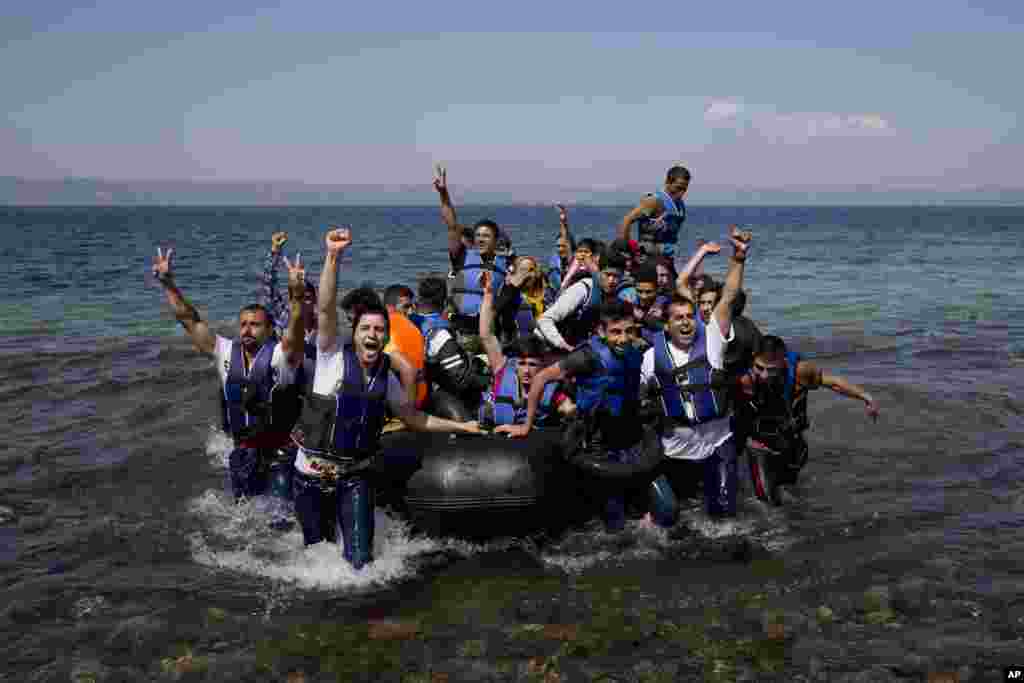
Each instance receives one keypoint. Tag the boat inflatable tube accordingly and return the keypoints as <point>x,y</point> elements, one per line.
<point>477,485</point>
<point>595,463</point>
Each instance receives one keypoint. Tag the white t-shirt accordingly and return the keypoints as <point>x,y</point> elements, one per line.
<point>330,372</point>
<point>701,440</point>
<point>283,373</point>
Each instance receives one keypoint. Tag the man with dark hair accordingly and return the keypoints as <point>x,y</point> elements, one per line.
<point>505,403</point>
<point>468,263</point>
<point>455,380</point>
<point>685,371</point>
<point>401,299</point>
<point>344,415</point>
<point>651,307</point>
<point>574,316</point>
<point>607,374</point>
<point>660,215</point>
<point>628,251</point>
<point>561,260</point>
<point>773,410</point>
<point>257,375</point>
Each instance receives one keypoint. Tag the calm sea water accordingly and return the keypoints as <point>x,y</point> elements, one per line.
<point>116,537</point>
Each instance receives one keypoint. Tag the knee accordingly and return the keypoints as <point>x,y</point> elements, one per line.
<point>664,505</point>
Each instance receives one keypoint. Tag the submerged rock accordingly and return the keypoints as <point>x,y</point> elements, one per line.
<point>89,606</point>
<point>825,614</point>
<point>876,599</point>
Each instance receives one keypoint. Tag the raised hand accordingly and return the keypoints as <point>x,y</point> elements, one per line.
<point>563,214</point>
<point>296,278</point>
<point>162,265</point>
<point>711,247</point>
<point>277,240</point>
<point>441,179</point>
<point>740,240</point>
<point>486,284</point>
<point>338,240</point>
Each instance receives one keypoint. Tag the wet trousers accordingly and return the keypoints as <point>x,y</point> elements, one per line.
<point>349,503</point>
<point>256,471</point>
<point>662,503</point>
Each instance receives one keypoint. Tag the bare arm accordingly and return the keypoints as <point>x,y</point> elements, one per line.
<point>693,266</point>
<point>838,385</point>
<point>293,343</point>
<point>563,224</point>
<point>733,279</point>
<point>448,210</point>
<point>407,374</point>
<point>552,373</point>
<point>648,206</point>
<point>337,241</point>
<point>421,422</point>
<point>495,358</point>
<point>202,338</point>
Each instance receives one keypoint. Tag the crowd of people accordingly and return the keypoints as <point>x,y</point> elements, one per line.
<point>606,341</point>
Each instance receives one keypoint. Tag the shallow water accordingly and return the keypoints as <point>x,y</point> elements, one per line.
<point>122,556</point>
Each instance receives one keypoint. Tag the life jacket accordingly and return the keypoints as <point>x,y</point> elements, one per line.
<point>777,420</point>
<point>695,392</point>
<point>577,327</point>
<point>253,407</point>
<point>406,338</point>
<point>660,237</point>
<point>464,289</point>
<point>626,291</point>
<point>451,368</point>
<point>505,404</point>
<point>607,400</point>
<point>346,427</point>
<point>555,272</point>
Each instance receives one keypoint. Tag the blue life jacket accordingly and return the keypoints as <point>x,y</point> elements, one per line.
<point>695,392</point>
<point>464,289</point>
<point>614,390</point>
<point>428,323</point>
<point>555,272</point>
<point>579,325</point>
<point>778,421</point>
<point>627,292</point>
<point>347,426</point>
<point>505,404</point>
<point>250,403</point>
<point>662,235</point>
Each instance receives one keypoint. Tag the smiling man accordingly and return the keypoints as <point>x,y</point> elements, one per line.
<point>685,370</point>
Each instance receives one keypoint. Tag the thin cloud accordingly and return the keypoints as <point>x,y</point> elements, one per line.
<point>722,111</point>
<point>792,127</point>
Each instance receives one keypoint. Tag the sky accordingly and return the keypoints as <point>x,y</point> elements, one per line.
<point>759,95</point>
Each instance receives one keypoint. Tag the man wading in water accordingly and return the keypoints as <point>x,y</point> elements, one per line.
<point>257,375</point>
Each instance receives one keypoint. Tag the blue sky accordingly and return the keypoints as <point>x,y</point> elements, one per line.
<point>785,95</point>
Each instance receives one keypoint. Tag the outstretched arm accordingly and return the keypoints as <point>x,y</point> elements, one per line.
<point>693,267</point>
<point>337,241</point>
<point>552,373</point>
<point>202,338</point>
<point>421,422</point>
<point>648,206</point>
<point>448,210</point>
<point>293,342</point>
<point>270,295</point>
<point>495,358</point>
<point>811,377</point>
<point>733,279</point>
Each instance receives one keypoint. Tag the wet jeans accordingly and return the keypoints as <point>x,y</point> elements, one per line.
<point>256,471</point>
<point>349,502</point>
<point>721,481</point>
<point>662,501</point>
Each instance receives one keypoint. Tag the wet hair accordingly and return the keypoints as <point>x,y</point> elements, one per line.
<point>616,309</point>
<point>677,173</point>
<point>739,303</point>
<point>395,292</point>
<point>256,308</point>
<point>646,273</point>
<point>770,345</point>
<point>468,234</point>
<point>715,287</point>
<point>612,260</point>
<point>680,300</point>
<point>364,295</point>
<point>364,301</point>
<point>310,287</point>
<point>620,246</point>
<point>704,282</point>
<point>530,346</point>
<point>433,293</point>
<point>487,223</point>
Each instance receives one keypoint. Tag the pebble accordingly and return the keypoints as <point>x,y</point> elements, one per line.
<point>6,514</point>
<point>825,614</point>
<point>88,606</point>
<point>876,599</point>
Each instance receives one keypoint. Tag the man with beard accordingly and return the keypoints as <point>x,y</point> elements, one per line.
<point>660,215</point>
<point>773,410</point>
<point>684,370</point>
<point>345,413</point>
<point>257,375</point>
<point>607,374</point>
<point>467,264</point>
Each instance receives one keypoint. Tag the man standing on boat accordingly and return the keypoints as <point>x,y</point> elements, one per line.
<point>659,216</point>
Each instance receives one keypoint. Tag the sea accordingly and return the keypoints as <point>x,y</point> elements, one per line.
<point>898,556</point>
